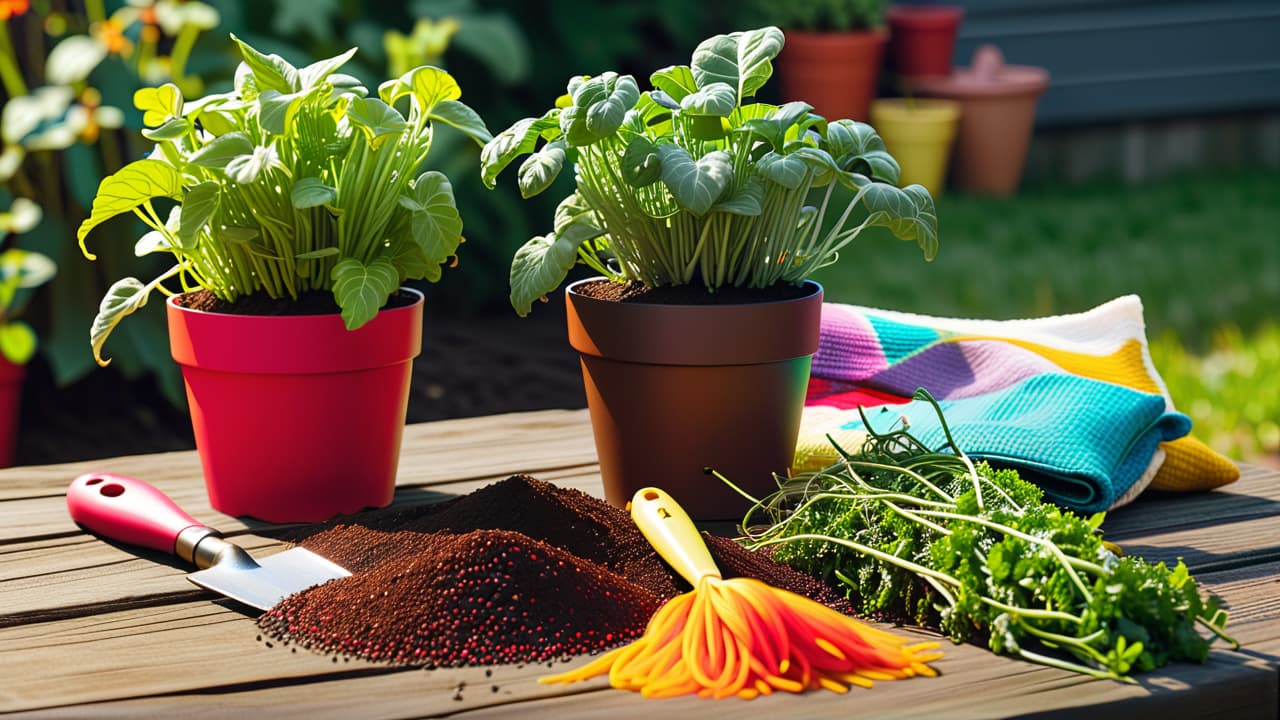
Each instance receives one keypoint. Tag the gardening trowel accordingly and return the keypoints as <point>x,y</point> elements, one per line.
<point>131,511</point>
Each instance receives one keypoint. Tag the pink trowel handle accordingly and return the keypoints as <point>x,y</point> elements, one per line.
<point>127,510</point>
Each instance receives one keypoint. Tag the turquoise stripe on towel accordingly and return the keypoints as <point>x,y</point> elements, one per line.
<point>1086,442</point>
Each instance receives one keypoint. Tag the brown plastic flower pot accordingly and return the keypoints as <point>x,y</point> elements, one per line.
<point>836,73</point>
<point>674,389</point>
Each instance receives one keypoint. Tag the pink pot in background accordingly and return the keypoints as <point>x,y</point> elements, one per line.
<point>997,115</point>
<point>11,376</point>
<point>297,419</point>
<point>922,39</point>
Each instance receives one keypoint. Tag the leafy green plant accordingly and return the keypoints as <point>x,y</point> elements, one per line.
<point>926,535</point>
<point>816,15</point>
<point>296,180</point>
<point>20,270</point>
<point>686,183</point>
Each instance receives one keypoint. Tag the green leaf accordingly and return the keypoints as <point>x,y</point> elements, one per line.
<point>312,75</point>
<point>361,290</point>
<point>376,119</point>
<point>696,185</point>
<point>462,117</point>
<point>276,110</point>
<point>599,106</point>
<point>347,85</point>
<point>574,210</point>
<point>198,206</point>
<point>539,266</point>
<point>123,298</point>
<point>786,170</point>
<point>774,128</point>
<point>270,72</point>
<point>312,192</point>
<point>437,227</point>
<point>740,59</point>
<point>857,147</point>
<point>236,234</point>
<point>908,213</point>
<point>158,104</point>
<point>676,81</point>
<point>222,150</point>
<point>641,164</point>
<point>17,342</point>
<point>173,129</point>
<point>506,146</point>
<point>717,99</point>
<point>317,254</point>
<point>747,199</point>
<point>246,168</point>
<point>428,85</point>
<point>133,185</point>
<point>540,169</point>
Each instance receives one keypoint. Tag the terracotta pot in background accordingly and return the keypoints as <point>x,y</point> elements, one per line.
<point>673,389</point>
<point>297,419</point>
<point>918,134</point>
<point>11,376</point>
<point>836,73</point>
<point>997,114</point>
<point>922,39</point>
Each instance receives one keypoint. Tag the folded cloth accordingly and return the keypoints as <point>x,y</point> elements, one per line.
<point>982,368</point>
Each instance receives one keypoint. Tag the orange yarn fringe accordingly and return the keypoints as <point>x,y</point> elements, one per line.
<point>743,637</point>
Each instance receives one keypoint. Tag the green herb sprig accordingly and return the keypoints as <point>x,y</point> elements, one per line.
<point>296,180</point>
<point>927,536</point>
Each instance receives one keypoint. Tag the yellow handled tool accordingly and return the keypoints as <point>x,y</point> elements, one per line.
<point>740,636</point>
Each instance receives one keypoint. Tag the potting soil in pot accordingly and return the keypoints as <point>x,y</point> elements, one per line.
<point>520,571</point>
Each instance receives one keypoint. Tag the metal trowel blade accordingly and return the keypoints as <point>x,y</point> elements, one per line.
<point>263,583</point>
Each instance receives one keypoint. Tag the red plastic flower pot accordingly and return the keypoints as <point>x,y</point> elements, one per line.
<point>922,39</point>
<point>674,389</point>
<point>297,419</point>
<point>10,399</point>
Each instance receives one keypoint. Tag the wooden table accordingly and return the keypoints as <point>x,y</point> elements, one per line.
<point>91,630</point>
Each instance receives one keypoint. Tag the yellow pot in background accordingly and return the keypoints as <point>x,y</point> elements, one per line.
<point>918,134</point>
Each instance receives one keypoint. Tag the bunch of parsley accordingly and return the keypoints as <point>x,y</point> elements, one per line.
<point>929,537</point>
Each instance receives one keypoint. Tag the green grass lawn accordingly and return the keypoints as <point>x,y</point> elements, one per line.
<point>1203,253</point>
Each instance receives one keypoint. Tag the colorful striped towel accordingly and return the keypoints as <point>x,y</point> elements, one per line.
<point>1072,400</point>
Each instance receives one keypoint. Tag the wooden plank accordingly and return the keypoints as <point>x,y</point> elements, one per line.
<point>1255,494</point>
<point>430,452</point>
<point>69,575</point>
<point>123,658</point>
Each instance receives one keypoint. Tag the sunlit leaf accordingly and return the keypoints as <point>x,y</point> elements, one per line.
<point>437,226</point>
<point>315,73</point>
<point>270,72</point>
<point>133,185</point>
<point>741,60</point>
<point>462,117</point>
<point>539,266</point>
<point>361,290</point>
<point>676,81</point>
<point>158,104</point>
<point>376,119</point>
<point>506,146</point>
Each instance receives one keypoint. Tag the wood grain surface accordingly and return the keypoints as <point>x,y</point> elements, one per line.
<point>91,629</point>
